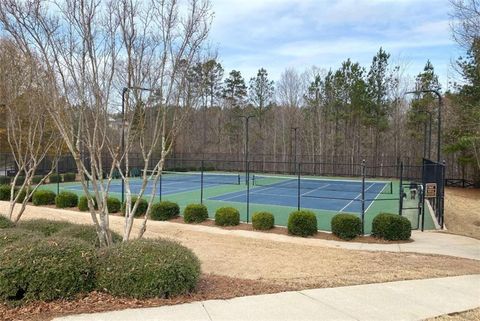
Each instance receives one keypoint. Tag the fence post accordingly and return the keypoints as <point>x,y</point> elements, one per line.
<point>248,190</point>
<point>299,167</point>
<point>160,187</point>
<point>400,205</point>
<point>201,183</point>
<point>58,179</point>
<point>363,197</point>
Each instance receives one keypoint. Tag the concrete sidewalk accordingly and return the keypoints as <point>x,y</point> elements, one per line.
<point>403,300</point>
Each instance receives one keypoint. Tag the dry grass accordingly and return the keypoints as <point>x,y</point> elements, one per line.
<point>462,211</point>
<point>470,315</point>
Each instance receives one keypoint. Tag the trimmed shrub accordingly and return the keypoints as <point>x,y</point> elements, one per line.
<point>302,223</point>
<point>48,269</point>
<point>69,177</point>
<point>263,221</point>
<point>5,180</point>
<point>5,222</point>
<point>20,180</point>
<point>83,203</point>
<point>164,211</point>
<point>5,192</point>
<point>346,226</point>
<point>113,204</point>
<point>147,268</point>
<point>36,179</point>
<point>45,227</point>
<point>55,178</point>
<point>85,233</point>
<point>66,199</point>
<point>22,194</point>
<point>141,209</point>
<point>43,197</point>
<point>227,216</point>
<point>13,235</point>
<point>195,213</point>
<point>391,227</point>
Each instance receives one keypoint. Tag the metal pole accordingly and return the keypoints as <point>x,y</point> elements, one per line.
<point>124,91</point>
<point>295,148</point>
<point>201,184</point>
<point>58,179</point>
<point>247,118</point>
<point>160,187</point>
<point>363,197</point>
<point>248,191</point>
<point>424,139</point>
<point>400,207</point>
<point>298,187</point>
<point>430,136</point>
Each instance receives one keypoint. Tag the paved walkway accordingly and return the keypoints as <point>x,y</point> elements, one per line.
<point>404,300</point>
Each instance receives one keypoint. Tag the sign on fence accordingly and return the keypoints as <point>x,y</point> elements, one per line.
<point>431,190</point>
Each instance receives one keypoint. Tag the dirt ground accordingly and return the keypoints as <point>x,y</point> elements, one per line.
<point>470,315</point>
<point>462,211</point>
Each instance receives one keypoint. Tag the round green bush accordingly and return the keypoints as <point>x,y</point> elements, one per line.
<point>263,221</point>
<point>37,179</point>
<point>195,213</point>
<point>391,227</point>
<point>66,199</point>
<point>147,268</point>
<point>5,222</point>
<point>346,226</point>
<point>47,269</point>
<point>227,216</point>
<point>302,223</point>
<point>5,192</point>
<point>43,226</point>
<point>15,234</point>
<point>21,195</point>
<point>69,177</point>
<point>164,211</point>
<point>83,204</point>
<point>55,178</point>
<point>43,197</point>
<point>113,204</point>
<point>85,233</point>
<point>141,209</point>
<point>5,180</point>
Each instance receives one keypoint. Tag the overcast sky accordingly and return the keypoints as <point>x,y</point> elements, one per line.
<point>276,34</point>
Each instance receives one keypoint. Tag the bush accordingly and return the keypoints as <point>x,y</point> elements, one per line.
<point>147,268</point>
<point>302,223</point>
<point>66,199</point>
<point>164,211</point>
<point>86,233</point>
<point>20,180</point>
<point>227,216</point>
<point>21,195</point>
<point>36,179</point>
<point>263,221</point>
<point>83,203</point>
<point>69,177</point>
<point>13,235</point>
<point>43,197</point>
<point>141,209</point>
<point>45,227</point>
<point>346,226</point>
<point>5,222</point>
<point>113,204</point>
<point>45,270</point>
<point>391,227</point>
<point>195,213</point>
<point>5,192</point>
<point>55,178</point>
<point>5,180</point>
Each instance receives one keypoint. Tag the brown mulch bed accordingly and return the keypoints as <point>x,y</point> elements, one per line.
<point>209,287</point>
<point>283,231</point>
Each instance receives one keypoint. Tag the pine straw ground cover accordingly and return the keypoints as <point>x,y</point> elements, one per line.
<point>236,266</point>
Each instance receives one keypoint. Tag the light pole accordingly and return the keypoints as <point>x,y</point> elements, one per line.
<point>439,125</point>
<point>427,146</point>
<point>295,149</point>
<point>247,119</point>
<point>124,92</point>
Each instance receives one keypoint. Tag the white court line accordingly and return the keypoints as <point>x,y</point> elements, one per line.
<point>355,198</point>
<point>375,198</point>
<point>316,189</point>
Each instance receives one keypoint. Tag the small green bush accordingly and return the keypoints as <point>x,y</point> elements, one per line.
<point>55,178</point>
<point>195,213</point>
<point>227,216</point>
<point>20,180</point>
<point>47,269</point>
<point>43,226</point>
<point>36,179</point>
<point>85,233</point>
<point>21,195</point>
<point>83,203</point>
<point>66,199</point>
<point>5,180</point>
<point>147,268</point>
<point>164,211</point>
<point>69,177</point>
<point>263,221</point>
<point>302,223</point>
<point>346,226</point>
<point>141,209</point>
<point>43,197</point>
<point>391,227</point>
<point>5,192</point>
<point>113,204</point>
<point>5,222</point>
<point>13,235</point>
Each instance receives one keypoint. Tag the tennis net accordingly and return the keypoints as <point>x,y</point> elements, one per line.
<point>213,178</point>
